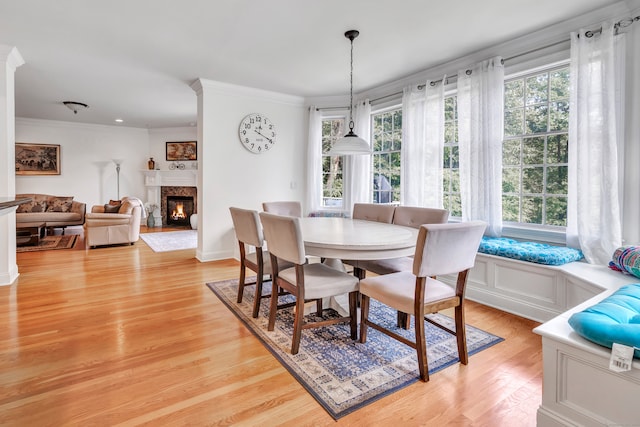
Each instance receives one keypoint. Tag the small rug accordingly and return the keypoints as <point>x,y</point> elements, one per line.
<point>51,242</point>
<point>341,374</point>
<point>171,240</point>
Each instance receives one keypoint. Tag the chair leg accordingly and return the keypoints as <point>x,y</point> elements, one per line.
<point>404,320</point>
<point>421,348</point>
<point>298,321</point>
<point>319,307</point>
<point>353,313</point>
<point>364,316</point>
<point>359,273</point>
<point>258,297</point>
<point>461,335</point>
<point>274,305</point>
<point>241,283</point>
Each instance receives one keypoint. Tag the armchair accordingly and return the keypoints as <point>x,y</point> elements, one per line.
<point>102,228</point>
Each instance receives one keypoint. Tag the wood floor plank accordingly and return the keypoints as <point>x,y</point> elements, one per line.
<point>127,336</point>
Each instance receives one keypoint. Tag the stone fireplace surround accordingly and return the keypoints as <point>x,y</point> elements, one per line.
<point>161,183</point>
<point>176,191</point>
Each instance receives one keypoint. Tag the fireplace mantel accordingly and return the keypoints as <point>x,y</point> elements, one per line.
<point>171,178</point>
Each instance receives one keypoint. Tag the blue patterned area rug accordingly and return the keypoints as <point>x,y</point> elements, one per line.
<point>341,374</point>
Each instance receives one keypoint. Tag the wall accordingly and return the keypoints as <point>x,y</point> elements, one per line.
<point>158,139</point>
<point>230,175</point>
<point>86,151</point>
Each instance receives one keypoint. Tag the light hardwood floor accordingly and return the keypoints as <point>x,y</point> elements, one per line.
<point>126,336</point>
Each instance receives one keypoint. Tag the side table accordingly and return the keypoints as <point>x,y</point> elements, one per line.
<point>29,234</point>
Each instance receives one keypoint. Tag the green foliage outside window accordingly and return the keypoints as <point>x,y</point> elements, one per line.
<point>535,148</point>
<point>332,195</point>
<point>387,146</point>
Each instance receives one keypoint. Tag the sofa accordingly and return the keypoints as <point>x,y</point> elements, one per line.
<point>116,222</point>
<point>54,211</point>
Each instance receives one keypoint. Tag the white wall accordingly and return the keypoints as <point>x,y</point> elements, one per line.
<point>230,175</point>
<point>158,139</point>
<point>87,171</point>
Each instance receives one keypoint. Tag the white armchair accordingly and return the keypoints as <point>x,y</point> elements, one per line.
<point>102,228</point>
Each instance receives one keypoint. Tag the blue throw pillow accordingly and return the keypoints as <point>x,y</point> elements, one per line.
<point>615,319</point>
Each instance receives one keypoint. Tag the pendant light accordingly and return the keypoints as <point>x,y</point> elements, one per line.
<point>350,144</point>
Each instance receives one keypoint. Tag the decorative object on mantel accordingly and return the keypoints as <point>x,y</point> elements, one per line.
<point>151,164</point>
<point>182,151</point>
<point>341,374</point>
<point>37,159</point>
<point>178,165</point>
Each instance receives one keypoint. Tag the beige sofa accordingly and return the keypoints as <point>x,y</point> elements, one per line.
<point>54,211</point>
<point>123,226</point>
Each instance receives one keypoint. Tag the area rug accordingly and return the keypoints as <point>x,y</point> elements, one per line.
<point>51,242</point>
<point>341,374</point>
<point>171,240</point>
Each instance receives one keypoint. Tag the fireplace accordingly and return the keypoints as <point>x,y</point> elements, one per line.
<point>179,210</point>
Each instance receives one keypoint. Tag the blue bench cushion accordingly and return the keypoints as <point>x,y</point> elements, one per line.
<point>615,319</point>
<point>627,260</point>
<point>539,253</point>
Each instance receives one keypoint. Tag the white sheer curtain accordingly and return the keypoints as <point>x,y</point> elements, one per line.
<point>357,169</point>
<point>480,132</point>
<point>313,200</point>
<point>422,145</point>
<point>593,207</point>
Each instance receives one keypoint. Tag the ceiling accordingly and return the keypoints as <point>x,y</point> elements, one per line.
<point>136,59</point>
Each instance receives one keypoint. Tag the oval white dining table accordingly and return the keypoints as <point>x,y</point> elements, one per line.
<point>345,238</point>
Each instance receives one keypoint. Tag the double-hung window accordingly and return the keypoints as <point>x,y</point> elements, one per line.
<point>386,132</point>
<point>451,159</point>
<point>535,148</point>
<point>332,166</point>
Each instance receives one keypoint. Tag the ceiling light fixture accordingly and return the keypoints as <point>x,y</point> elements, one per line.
<point>75,106</point>
<point>350,143</point>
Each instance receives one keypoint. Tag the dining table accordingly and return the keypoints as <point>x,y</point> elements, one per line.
<point>334,239</point>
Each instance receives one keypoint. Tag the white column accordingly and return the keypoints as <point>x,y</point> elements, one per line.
<point>10,59</point>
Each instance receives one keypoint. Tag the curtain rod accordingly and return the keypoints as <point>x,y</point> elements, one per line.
<point>620,24</point>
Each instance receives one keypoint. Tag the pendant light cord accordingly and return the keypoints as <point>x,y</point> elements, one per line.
<point>351,124</point>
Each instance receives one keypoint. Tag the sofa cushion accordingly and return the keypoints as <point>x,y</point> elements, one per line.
<point>615,319</point>
<point>59,204</point>
<point>38,203</point>
<point>109,208</point>
<point>539,253</point>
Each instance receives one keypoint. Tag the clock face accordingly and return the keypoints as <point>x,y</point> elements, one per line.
<point>257,133</point>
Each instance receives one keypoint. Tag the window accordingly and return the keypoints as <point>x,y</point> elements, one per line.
<point>451,159</point>
<point>332,197</point>
<point>535,148</point>
<point>387,144</point>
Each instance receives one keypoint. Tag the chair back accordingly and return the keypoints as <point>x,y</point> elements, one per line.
<point>373,212</point>
<point>447,248</point>
<point>413,216</point>
<point>283,208</point>
<point>247,226</point>
<point>284,237</point>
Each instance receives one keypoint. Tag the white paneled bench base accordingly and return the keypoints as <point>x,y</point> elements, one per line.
<point>535,291</point>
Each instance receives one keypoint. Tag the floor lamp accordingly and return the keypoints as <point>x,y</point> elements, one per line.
<point>117,163</point>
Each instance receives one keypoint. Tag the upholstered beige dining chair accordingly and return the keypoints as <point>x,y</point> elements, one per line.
<point>408,216</point>
<point>288,208</point>
<point>305,281</point>
<point>440,249</point>
<point>373,212</point>
<point>246,224</point>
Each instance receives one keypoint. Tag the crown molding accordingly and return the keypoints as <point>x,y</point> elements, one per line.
<point>211,86</point>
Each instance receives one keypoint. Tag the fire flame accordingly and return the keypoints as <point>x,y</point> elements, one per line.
<point>178,212</point>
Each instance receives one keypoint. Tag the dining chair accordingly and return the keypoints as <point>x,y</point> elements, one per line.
<point>440,249</point>
<point>288,208</point>
<point>373,212</point>
<point>305,281</point>
<point>408,216</point>
<point>249,232</point>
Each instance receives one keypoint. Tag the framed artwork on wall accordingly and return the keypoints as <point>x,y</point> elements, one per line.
<point>182,151</point>
<point>37,159</point>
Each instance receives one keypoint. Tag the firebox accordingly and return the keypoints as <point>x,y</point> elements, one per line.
<point>179,210</point>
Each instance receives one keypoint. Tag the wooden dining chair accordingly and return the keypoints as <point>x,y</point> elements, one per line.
<point>248,229</point>
<point>408,216</point>
<point>440,249</point>
<point>288,208</point>
<point>305,281</point>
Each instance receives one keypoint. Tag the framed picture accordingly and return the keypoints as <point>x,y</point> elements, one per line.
<point>183,150</point>
<point>37,159</point>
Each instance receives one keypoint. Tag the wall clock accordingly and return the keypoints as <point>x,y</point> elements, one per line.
<point>257,133</point>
